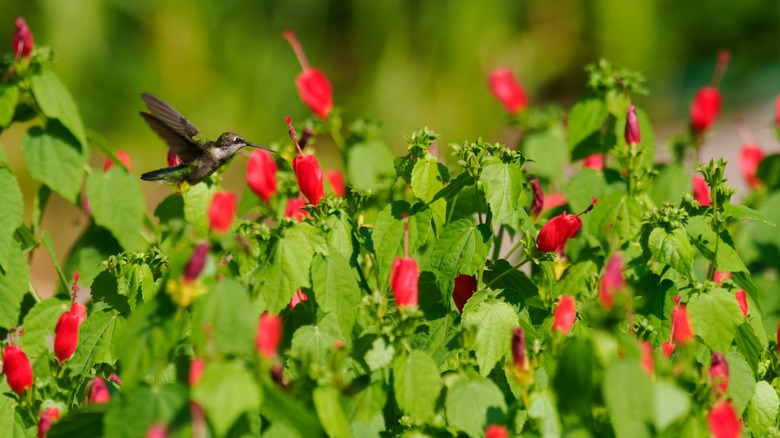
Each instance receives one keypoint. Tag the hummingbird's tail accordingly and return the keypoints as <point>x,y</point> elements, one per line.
<point>168,174</point>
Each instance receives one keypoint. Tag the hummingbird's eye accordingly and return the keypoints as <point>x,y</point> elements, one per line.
<point>237,139</point>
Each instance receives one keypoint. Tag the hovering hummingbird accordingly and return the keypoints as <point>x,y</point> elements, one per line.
<point>200,156</point>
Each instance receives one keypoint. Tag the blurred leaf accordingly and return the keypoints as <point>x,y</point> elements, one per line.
<point>55,102</point>
<point>426,179</point>
<point>369,166</point>
<point>543,410</point>
<point>39,324</point>
<point>132,413</point>
<point>741,212</point>
<point>336,289</point>
<point>417,384</point>
<point>628,393</point>
<point>118,205</point>
<point>366,405</point>
<point>715,317</point>
<point>769,171</point>
<point>223,319</point>
<point>14,280</point>
<point>669,185</point>
<point>494,322</point>
<point>329,411</point>
<point>548,152</point>
<point>92,247</point>
<point>503,184</point>
<point>748,344</point>
<point>7,413</point>
<point>226,390</point>
<point>9,94</point>
<point>311,343</point>
<point>13,205</point>
<point>388,236</point>
<point>762,411</point>
<point>279,405</point>
<point>672,249</point>
<point>380,355</point>
<point>616,219</point>
<point>742,383</point>
<point>84,421</point>
<point>473,404</point>
<point>574,376</point>
<point>461,249</point>
<point>54,157</point>
<point>718,250</point>
<point>96,335</point>
<point>197,199</point>
<point>586,117</point>
<point>584,186</point>
<point>671,404</point>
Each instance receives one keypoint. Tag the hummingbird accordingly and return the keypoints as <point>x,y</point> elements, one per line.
<point>200,156</point>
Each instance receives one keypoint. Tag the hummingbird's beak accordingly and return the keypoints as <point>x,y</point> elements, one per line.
<point>254,145</point>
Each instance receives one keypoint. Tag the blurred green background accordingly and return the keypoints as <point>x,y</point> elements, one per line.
<point>225,65</point>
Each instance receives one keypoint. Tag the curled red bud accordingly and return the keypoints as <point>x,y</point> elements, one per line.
<point>681,327</point>
<point>565,314</point>
<point>555,233</point>
<point>99,392</point>
<point>269,333</point>
<point>22,41</point>
<point>336,180</point>
<point>519,355</point>
<point>750,157</point>
<point>667,348</point>
<point>312,84</point>
<point>719,277</point>
<point>719,374</point>
<point>295,210</point>
<point>261,174</point>
<point>465,286</point>
<point>537,202</point>
<point>496,431</point>
<point>196,263</point>
<point>66,335</point>
<point>297,298</point>
<point>612,281</point>
<point>48,416</point>
<point>113,378</point>
<point>701,191</point>
<point>632,134</point>
<point>309,175</point>
<point>723,421</point>
<point>507,90</point>
<point>196,370</point>
<point>404,276</point>
<point>17,369</point>
<point>777,111</point>
<point>705,108</point>
<point>741,297</point>
<point>222,211</point>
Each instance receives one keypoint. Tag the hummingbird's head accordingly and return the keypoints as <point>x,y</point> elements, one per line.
<point>229,143</point>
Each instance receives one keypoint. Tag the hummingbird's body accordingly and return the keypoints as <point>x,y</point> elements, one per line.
<point>200,157</point>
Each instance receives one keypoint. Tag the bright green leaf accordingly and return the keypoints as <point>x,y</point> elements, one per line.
<point>714,318</point>
<point>628,394</point>
<point>718,250</point>
<point>224,319</point>
<point>56,103</point>
<point>426,179</point>
<point>118,205</point>
<point>336,289</point>
<point>586,118</point>
<point>742,383</point>
<point>547,151</point>
<point>380,355</point>
<point>762,411</point>
<point>197,199</point>
<point>542,409</point>
<point>388,236</point>
<point>132,413</point>
<point>671,183</point>
<point>312,343</point>
<point>14,279</point>
<point>38,324</point>
<point>616,219</point>
<point>461,249</point>
<point>417,384</point>
<point>737,211</point>
<point>494,322</point>
<point>672,249</point>
<point>328,406</point>
<point>95,337</point>
<point>226,390</point>
<point>54,157</point>
<point>9,94</point>
<point>671,404</point>
<point>503,183</point>
<point>369,166</point>
<point>473,404</point>
<point>12,204</point>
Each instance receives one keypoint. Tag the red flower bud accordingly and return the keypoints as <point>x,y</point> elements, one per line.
<point>196,370</point>
<point>632,134</point>
<point>115,379</point>
<point>719,277</point>
<point>496,431</point>
<point>612,281</point>
<point>17,369</point>
<point>261,174</point>
<point>173,159</point>
<point>47,418</point>
<point>403,281</point>
<point>295,210</point>
<point>519,356</point>
<point>507,90</point>
<point>465,286</point>
<point>221,211</point>
<point>555,233</point>
<point>269,333</point>
<point>701,191</point>
<point>565,314</point>
<point>681,327</point>
<point>742,301</point>
<point>196,263</point>
<point>313,86</point>
<point>537,202</point>
<point>123,156</point>
<point>749,159</point>
<point>157,431</point>
<point>297,298</point>
<point>723,421</point>
<point>719,374</point>
<point>66,335</point>
<point>80,311</point>
<point>99,392</point>
<point>667,348</point>
<point>595,162</point>
<point>647,357</point>
<point>22,41</point>
<point>309,175</point>
<point>336,180</point>
<point>705,108</point>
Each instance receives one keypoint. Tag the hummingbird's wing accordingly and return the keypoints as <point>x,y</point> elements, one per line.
<point>183,138</point>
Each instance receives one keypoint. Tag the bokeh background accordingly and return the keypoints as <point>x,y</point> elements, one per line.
<point>225,65</point>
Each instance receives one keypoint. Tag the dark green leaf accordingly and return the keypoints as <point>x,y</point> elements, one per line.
<point>585,118</point>
<point>455,186</point>
<point>473,404</point>
<point>292,412</point>
<point>715,317</point>
<point>95,338</point>
<point>84,421</point>
<point>574,376</point>
<point>769,171</point>
<point>417,384</point>
<point>223,319</point>
<point>461,249</point>
<point>336,289</point>
<point>56,103</point>
<point>672,249</point>
<point>54,157</point>
<point>226,390</point>
<point>388,236</point>
<point>118,205</point>
<point>748,344</point>
<point>132,413</point>
<point>669,185</point>
<point>94,246</point>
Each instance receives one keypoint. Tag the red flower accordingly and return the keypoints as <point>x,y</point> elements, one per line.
<point>196,263</point>
<point>565,314</point>
<point>465,286</point>
<point>309,175</point>
<point>66,335</point>
<point>555,233</point>
<point>403,281</point>
<point>595,162</point>
<point>269,333</point>
<point>17,369</point>
<point>22,41</point>
<point>723,421</point>
<point>742,300</point>
<point>261,174</point>
<point>336,180</point>
<point>222,210</point>
<point>99,392</point>
<point>667,348</point>
<point>297,298</point>
<point>294,209</point>
<point>749,159</point>
<point>701,191</point>
<point>496,431</point>
<point>79,310</point>
<point>612,281</point>
<point>123,156</point>
<point>519,356</point>
<point>647,357</point>
<point>508,90</point>
<point>719,374</point>
<point>719,277</point>
<point>173,159</point>
<point>705,108</point>
<point>632,134</point>
<point>313,86</point>
<point>157,431</point>
<point>681,327</point>
<point>537,202</point>
<point>196,369</point>
<point>47,418</point>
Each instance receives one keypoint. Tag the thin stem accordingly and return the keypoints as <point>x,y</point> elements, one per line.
<point>293,134</point>
<point>720,68</point>
<point>514,248</point>
<point>296,46</point>
<point>33,292</point>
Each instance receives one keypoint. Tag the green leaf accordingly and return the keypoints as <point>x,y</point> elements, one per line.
<point>455,186</point>
<point>370,166</point>
<point>616,219</point>
<point>197,199</point>
<point>366,406</point>
<point>547,152</point>
<point>762,411</point>
<point>737,211</point>
<point>715,317</point>
<point>226,390</point>
<point>426,179</point>
<point>56,103</point>
<point>718,250</point>
<point>671,183</point>
<point>584,186</point>
<point>542,409</point>
<point>628,394</point>
<point>336,289</point>
<point>748,343</point>
<point>279,405</point>
<point>585,118</point>
<point>38,324</point>
<point>14,280</point>
<point>328,406</point>
<point>494,322</point>
<point>312,343</point>
<point>671,404</point>
<point>742,382</point>
<point>95,338</point>
<point>223,319</point>
<point>84,421</point>
<point>118,205</point>
<point>388,236</point>
<point>13,205</point>
<point>132,413</point>
<point>474,404</point>
<point>417,384</point>
<point>7,409</point>
<point>380,355</point>
<point>55,158</point>
<point>288,269</point>
<point>574,376</point>
<point>9,94</point>
<point>94,246</point>
<point>461,249</point>
<point>503,183</point>
<point>672,249</point>
<point>769,171</point>
<point>339,236</point>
